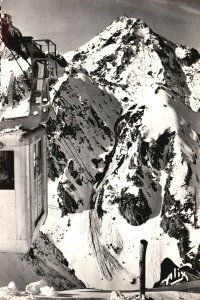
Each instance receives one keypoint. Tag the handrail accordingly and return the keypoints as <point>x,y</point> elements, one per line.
<point>39,98</point>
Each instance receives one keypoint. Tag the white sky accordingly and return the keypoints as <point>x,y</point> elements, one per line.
<point>71,23</point>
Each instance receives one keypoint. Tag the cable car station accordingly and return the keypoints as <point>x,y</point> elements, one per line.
<point>23,159</point>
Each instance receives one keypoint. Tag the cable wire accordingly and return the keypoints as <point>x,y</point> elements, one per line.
<point>80,159</point>
<point>19,63</point>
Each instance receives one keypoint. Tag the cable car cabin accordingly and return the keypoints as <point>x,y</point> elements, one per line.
<point>23,187</point>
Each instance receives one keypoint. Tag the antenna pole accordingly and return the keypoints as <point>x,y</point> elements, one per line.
<point>143,247</point>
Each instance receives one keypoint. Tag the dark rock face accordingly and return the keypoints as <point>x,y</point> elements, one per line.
<point>157,149</point>
<point>48,262</point>
<point>134,209</point>
<point>66,203</point>
<point>176,228</point>
<point>192,57</point>
<point>168,268</point>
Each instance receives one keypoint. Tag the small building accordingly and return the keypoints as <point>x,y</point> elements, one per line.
<point>23,187</point>
<point>23,157</point>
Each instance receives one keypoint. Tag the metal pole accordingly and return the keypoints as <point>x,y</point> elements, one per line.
<point>143,247</point>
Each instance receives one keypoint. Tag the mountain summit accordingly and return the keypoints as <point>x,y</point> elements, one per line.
<point>148,177</point>
<point>124,158</point>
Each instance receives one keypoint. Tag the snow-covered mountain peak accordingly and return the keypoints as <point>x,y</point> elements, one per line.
<point>128,56</point>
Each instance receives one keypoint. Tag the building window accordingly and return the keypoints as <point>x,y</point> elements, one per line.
<point>7,177</point>
<point>37,158</point>
<point>40,156</point>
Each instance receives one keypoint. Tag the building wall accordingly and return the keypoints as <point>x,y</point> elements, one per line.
<point>19,221</point>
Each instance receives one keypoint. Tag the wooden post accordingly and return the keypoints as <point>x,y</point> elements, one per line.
<point>143,247</point>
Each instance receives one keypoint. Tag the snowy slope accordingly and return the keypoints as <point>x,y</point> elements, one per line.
<point>42,291</point>
<point>149,186</point>
<point>124,138</point>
